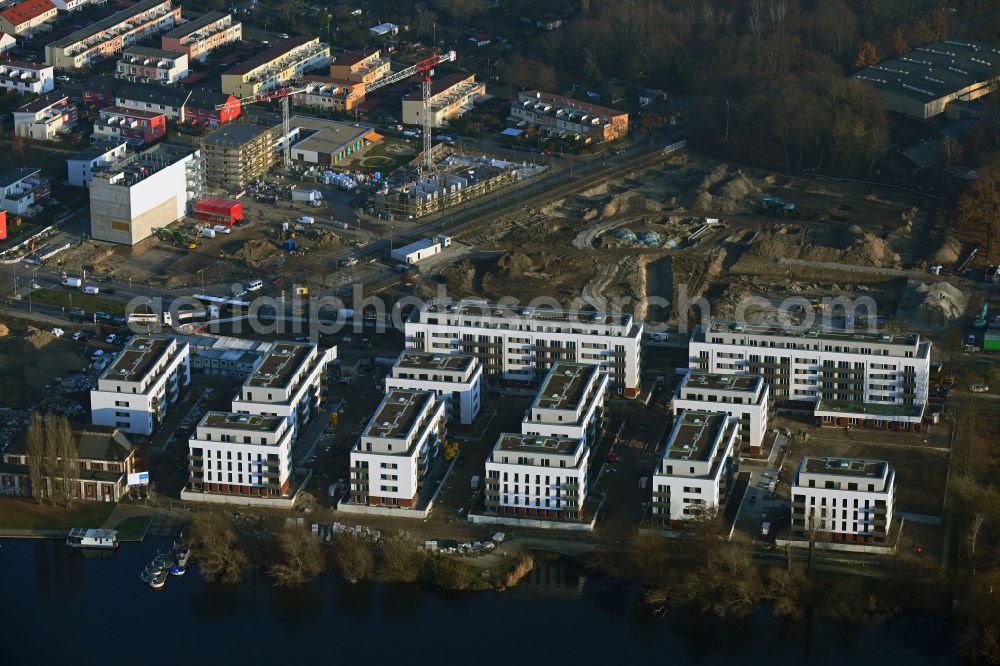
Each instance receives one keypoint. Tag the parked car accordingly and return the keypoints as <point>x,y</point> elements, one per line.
<point>63,77</point>
<point>277,281</point>
<point>110,339</point>
<point>979,388</point>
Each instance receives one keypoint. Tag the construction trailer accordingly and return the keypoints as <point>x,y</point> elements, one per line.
<point>219,211</point>
<point>420,250</point>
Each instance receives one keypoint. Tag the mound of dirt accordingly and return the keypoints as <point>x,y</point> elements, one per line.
<point>325,239</point>
<point>851,246</point>
<point>257,253</point>
<point>535,265</point>
<point>460,276</point>
<point>610,209</point>
<point>720,191</point>
<point>932,303</point>
<point>39,339</point>
<point>949,252</point>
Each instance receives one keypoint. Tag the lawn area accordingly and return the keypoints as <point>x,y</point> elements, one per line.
<point>68,298</point>
<point>385,156</point>
<point>18,233</point>
<point>131,529</point>
<point>51,160</point>
<point>25,514</point>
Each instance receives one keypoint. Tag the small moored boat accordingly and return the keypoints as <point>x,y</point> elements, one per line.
<point>159,580</point>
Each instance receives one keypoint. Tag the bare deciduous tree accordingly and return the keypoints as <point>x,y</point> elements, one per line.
<point>980,502</point>
<point>213,540</point>
<point>401,561</point>
<point>50,460</point>
<point>67,460</point>
<point>789,591</point>
<point>354,559</point>
<point>299,558</point>
<point>756,19</point>
<point>36,456</point>
<point>815,529</point>
<point>727,583</point>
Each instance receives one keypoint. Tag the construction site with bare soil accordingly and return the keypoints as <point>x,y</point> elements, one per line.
<point>743,239</point>
<point>657,237</point>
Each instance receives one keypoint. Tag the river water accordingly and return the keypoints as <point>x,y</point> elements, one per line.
<point>62,606</point>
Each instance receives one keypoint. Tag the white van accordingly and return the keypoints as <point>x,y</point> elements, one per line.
<point>254,285</point>
<point>91,289</point>
<point>75,283</point>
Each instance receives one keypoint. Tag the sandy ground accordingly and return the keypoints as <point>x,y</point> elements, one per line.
<point>642,235</point>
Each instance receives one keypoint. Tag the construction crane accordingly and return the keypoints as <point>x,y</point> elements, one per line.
<point>425,68</point>
<point>280,93</point>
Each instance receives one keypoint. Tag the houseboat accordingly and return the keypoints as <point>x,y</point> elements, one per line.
<point>82,537</point>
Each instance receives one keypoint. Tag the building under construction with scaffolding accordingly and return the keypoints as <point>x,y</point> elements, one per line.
<point>152,189</point>
<point>454,180</point>
<point>239,154</point>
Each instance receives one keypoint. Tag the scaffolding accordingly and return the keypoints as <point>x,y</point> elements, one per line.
<point>448,186</point>
<point>194,173</point>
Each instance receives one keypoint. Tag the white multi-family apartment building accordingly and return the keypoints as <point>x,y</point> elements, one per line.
<point>286,383</point>
<point>275,67</point>
<point>517,345</point>
<point>451,97</point>
<point>23,190</point>
<point>110,35</point>
<point>28,17</point>
<point>744,397</point>
<point>397,450</point>
<point>849,379</point>
<point>537,476</point>
<point>199,37</point>
<point>456,380</point>
<point>145,64</point>
<point>82,166</point>
<point>26,77</point>
<point>241,455</point>
<point>693,477</point>
<point>134,394</point>
<point>843,499</point>
<point>570,403</point>
<point>46,118</point>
